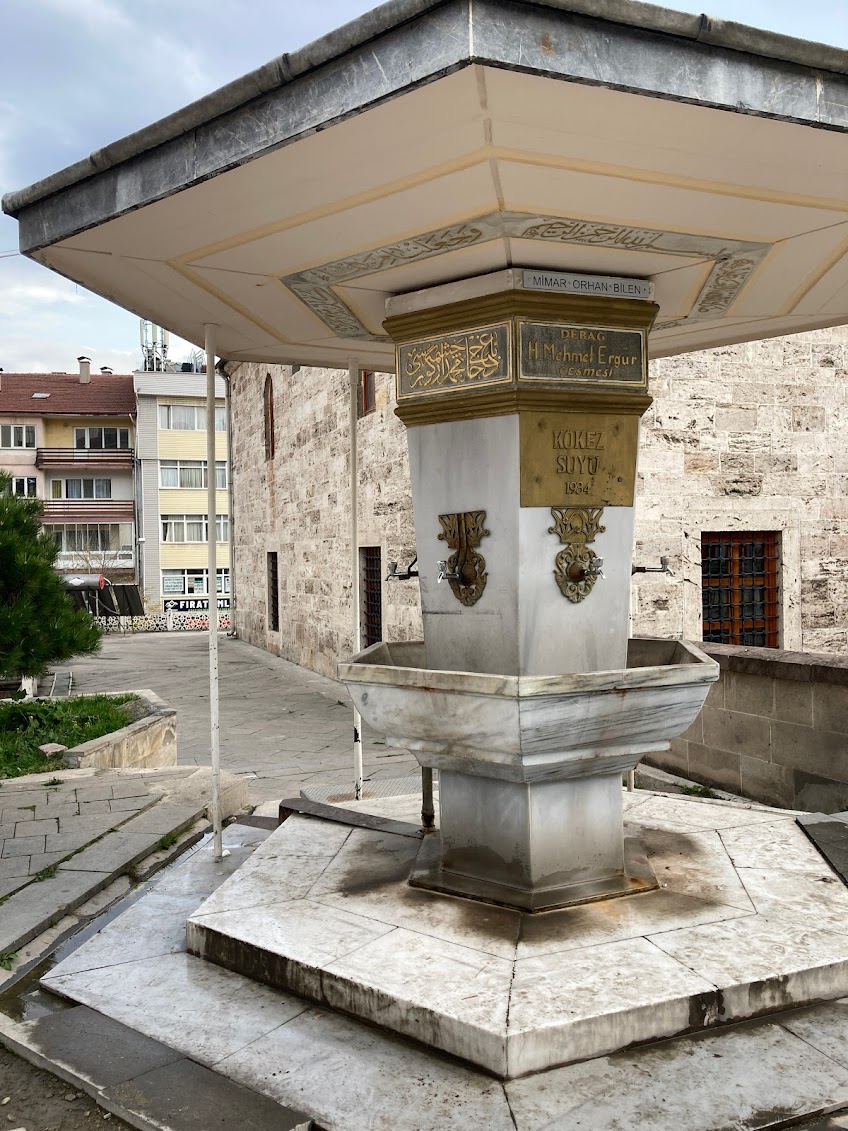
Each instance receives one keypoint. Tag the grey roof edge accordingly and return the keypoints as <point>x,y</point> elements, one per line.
<point>387,16</point>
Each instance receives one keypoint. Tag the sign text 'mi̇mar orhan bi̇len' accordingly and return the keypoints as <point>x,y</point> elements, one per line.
<point>551,352</point>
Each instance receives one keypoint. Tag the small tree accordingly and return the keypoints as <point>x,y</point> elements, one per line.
<point>39,624</point>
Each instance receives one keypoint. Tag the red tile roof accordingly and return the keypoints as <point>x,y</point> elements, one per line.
<point>105,395</point>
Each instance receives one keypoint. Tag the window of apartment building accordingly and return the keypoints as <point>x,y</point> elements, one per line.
<point>268,406</point>
<point>22,486</point>
<point>190,473</point>
<point>83,538</point>
<point>371,595</point>
<point>17,435</point>
<point>189,418</point>
<point>101,438</point>
<point>192,528</point>
<point>273,594</point>
<point>366,397</point>
<point>740,588</point>
<point>192,582</point>
<point>81,489</point>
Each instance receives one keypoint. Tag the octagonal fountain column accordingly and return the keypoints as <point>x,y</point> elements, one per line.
<point>522,408</point>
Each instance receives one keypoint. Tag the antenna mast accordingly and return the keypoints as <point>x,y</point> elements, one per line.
<point>154,347</point>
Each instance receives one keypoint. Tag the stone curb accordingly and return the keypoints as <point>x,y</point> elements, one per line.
<point>148,1084</point>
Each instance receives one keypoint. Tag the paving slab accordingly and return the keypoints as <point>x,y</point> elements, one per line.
<point>39,905</point>
<point>188,1096</point>
<point>95,1047</point>
<point>113,853</point>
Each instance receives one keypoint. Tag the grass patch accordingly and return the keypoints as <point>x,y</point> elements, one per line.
<point>46,873</point>
<point>27,724</point>
<point>698,791</point>
<point>7,958</point>
<point>169,839</point>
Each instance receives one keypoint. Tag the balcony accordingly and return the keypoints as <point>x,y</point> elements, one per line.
<point>91,459</point>
<point>61,512</point>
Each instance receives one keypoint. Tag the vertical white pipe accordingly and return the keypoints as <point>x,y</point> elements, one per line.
<point>353,374</point>
<point>212,589</point>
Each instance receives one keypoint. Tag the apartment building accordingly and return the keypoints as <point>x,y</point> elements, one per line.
<point>171,492</point>
<point>68,439</point>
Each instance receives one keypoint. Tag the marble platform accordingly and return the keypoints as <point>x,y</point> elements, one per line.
<point>351,1076</point>
<point>749,919</point>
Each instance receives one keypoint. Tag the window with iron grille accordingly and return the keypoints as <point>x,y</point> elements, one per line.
<point>740,588</point>
<point>273,594</point>
<point>372,595</point>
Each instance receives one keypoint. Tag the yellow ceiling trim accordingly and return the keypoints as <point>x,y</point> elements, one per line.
<point>228,301</point>
<point>644,176</point>
<point>814,278</point>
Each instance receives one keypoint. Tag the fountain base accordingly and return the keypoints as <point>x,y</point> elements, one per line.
<point>532,845</point>
<point>748,919</point>
<point>431,874</point>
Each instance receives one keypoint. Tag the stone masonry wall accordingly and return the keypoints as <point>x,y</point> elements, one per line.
<point>774,728</point>
<point>748,437</point>
<point>297,506</point>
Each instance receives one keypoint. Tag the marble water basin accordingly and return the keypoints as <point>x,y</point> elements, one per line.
<point>531,728</point>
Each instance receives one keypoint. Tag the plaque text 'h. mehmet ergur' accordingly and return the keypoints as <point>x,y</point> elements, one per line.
<point>581,353</point>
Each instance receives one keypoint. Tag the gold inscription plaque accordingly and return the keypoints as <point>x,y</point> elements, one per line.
<point>454,361</point>
<point>552,352</point>
<point>578,459</point>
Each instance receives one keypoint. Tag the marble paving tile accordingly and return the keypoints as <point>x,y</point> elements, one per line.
<point>763,964</point>
<point>694,863</point>
<point>266,880</point>
<point>612,920</point>
<point>825,1027</point>
<point>306,836</point>
<point>664,810</point>
<point>185,1002</point>
<point>482,926</point>
<point>448,996</point>
<point>781,846</point>
<point>152,926</point>
<point>817,897</point>
<point>202,874</point>
<point>309,933</point>
<point>580,1004</point>
<point>379,1083</point>
<point>367,860</point>
<point>755,1076</point>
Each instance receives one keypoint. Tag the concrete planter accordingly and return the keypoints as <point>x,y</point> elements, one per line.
<point>148,740</point>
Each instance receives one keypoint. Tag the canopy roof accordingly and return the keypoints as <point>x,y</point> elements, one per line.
<point>432,140</point>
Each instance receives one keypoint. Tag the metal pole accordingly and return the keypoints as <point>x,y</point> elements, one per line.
<point>353,374</point>
<point>212,588</point>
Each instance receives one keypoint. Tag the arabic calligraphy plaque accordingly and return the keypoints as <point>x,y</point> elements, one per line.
<point>553,352</point>
<point>467,360</point>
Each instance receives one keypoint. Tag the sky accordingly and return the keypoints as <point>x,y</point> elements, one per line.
<point>79,74</point>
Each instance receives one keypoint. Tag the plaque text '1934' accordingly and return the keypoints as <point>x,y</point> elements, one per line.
<point>551,352</point>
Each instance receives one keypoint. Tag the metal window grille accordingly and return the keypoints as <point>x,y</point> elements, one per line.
<point>273,594</point>
<point>372,594</point>
<point>740,588</point>
<point>270,437</point>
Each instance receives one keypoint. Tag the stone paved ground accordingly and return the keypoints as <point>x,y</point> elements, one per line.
<point>64,838</point>
<point>283,725</point>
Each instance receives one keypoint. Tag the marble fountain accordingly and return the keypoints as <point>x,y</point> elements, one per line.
<point>553,916</point>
